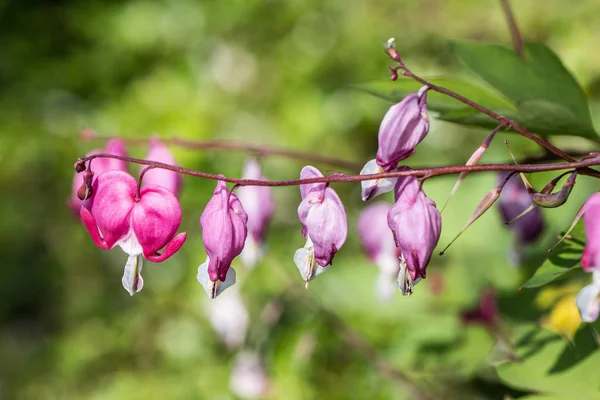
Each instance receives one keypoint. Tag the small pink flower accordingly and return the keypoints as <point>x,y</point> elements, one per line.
<point>403,127</point>
<point>416,224</point>
<point>224,232</point>
<point>324,225</point>
<point>170,180</point>
<point>99,166</point>
<point>140,226</point>
<point>259,204</point>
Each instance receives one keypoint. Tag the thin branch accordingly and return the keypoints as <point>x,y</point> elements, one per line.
<point>338,177</point>
<point>513,27</point>
<point>230,145</point>
<point>391,51</point>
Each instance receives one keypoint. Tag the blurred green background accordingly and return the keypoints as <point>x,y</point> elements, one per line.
<point>268,72</point>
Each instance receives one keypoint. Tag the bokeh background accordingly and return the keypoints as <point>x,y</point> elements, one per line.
<point>275,73</point>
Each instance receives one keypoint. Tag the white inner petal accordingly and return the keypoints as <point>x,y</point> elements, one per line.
<point>130,244</point>
<point>375,187</point>
<point>405,282</point>
<point>213,289</point>
<point>132,274</point>
<point>588,302</point>
<point>304,259</point>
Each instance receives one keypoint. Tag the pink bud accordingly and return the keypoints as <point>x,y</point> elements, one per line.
<point>416,224</point>
<point>139,226</point>
<point>486,312</point>
<point>590,261</point>
<point>309,172</point>
<point>259,204</point>
<point>224,232</point>
<point>99,166</point>
<point>404,126</point>
<point>324,224</point>
<point>170,180</point>
<point>514,199</point>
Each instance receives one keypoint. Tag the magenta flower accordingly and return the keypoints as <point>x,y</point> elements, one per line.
<point>324,225</point>
<point>170,180</point>
<point>404,126</point>
<point>514,199</point>
<point>416,224</point>
<point>590,261</point>
<point>99,166</point>
<point>224,232</point>
<point>140,226</point>
<point>259,204</point>
<point>378,242</point>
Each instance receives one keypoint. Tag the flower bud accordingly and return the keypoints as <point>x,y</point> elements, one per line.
<point>170,180</point>
<point>513,200</point>
<point>325,226</point>
<point>416,224</point>
<point>259,204</point>
<point>404,126</point>
<point>224,232</point>
<point>98,166</point>
<point>590,261</point>
<point>309,172</point>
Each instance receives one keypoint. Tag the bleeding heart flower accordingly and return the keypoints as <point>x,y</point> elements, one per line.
<point>416,224</point>
<point>590,261</point>
<point>403,127</point>
<point>140,225</point>
<point>588,299</point>
<point>324,225</point>
<point>224,232</point>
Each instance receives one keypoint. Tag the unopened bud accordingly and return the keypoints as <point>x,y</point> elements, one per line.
<point>85,190</point>
<point>390,48</point>
<point>553,200</point>
<point>79,166</point>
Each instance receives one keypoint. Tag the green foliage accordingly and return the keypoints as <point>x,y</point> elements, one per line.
<point>561,261</point>
<point>551,365</point>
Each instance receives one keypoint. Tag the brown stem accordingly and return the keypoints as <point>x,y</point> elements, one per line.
<point>230,145</point>
<point>340,178</point>
<point>513,27</point>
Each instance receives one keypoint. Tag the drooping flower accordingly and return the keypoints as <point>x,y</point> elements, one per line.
<point>170,180</point>
<point>485,313</point>
<point>324,225</point>
<point>514,199</point>
<point>224,232</point>
<point>404,126</point>
<point>590,261</point>
<point>141,226</point>
<point>378,242</point>
<point>259,204</point>
<point>98,166</point>
<point>416,224</point>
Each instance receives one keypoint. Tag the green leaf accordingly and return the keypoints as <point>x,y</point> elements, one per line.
<point>561,261</point>
<point>540,78</point>
<point>551,366</point>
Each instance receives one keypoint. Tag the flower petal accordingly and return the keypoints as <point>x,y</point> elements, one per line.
<point>375,187</point>
<point>588,302</point>
<point>132,274</point>
<point>213,289</point>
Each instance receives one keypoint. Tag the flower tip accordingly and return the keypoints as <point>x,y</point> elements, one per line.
<point>214,288</point>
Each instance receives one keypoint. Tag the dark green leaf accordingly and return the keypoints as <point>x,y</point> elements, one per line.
<point>561,261</point>
<point>559,104</point>
<point>553,367</point>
